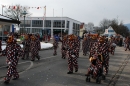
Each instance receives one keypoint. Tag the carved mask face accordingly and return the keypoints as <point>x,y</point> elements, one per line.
<point>101,39</point>
<point>26,37</point>
<point>10,39</point>
<point>33,37</point>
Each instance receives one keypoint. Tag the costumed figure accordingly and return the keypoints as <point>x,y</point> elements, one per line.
<point>38,45</point>
<point>71,54</point>
<point>64,47</point>
<point>26,46</point>
<point>95,68</point>
<point>34,48</point>
<point>12,51</point>
<point>55,45</point>
<point>127,43</point>
<point>77,45</point>
<point>85,46</point>
<point>0,46</point>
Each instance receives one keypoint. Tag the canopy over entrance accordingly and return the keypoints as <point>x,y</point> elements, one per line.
<point>6,26</point>
<point>6,20</point>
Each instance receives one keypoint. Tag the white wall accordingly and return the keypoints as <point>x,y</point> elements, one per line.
<point>70,31</point>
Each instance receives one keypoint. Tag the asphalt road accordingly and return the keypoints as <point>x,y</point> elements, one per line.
<point>52,71</point>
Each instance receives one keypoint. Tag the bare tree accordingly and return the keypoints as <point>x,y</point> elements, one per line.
<point>105,23</point>
<point>16,11</point>
<point>90,26</point>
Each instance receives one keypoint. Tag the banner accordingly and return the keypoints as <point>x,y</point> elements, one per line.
<point>18,7</point>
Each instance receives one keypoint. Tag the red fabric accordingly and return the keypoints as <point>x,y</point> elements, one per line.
<point>37,7</point>
<point>14,7</point>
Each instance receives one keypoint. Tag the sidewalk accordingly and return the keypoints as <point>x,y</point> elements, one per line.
<point>121,68</point>
<point>124,78</point>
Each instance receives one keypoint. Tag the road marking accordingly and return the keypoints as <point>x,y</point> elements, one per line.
<point>29,66</point>
<point>116,76</point>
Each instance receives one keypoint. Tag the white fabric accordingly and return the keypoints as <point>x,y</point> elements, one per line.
<point>43,45</point>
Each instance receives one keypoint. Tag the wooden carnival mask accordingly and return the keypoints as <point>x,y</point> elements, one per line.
<point>33,37</point>
<point>85,38</point>
<point>10,39</point>
<point>101,39</point>
<point>26,37</point>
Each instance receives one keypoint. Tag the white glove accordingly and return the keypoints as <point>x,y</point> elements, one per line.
<point>9,63</point>
<point>73,55</point>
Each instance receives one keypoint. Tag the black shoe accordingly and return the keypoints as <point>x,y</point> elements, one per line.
<point>27,58</point>
<point>76,70</point>
<point>6,82</point>
<point>14,78</point>
<point>38,58</point>
<point>69,72</point>
<point>32,60</point>
<point>86,74</point>
<point>22,58</point>
<point>7,66</point>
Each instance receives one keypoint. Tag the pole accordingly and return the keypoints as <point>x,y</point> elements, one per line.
<point>61,23</point>
<point>2,9</point>
<point>53,12</point>
<point>2,32</point>
<point>24,22</point>
<point>45,24</point>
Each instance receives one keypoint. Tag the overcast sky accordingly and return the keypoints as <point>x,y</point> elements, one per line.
<point>82,10</point>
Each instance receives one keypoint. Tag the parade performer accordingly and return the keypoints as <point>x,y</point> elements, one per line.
<point>64,46</point>
<point>0,46</point>
<point>85,46</point>
<point>12,51</point>
<point>127,43</point>
<point>77,45</point>
<point>33,48</point>
<point>104,51</point>
<point>55,45</point>
<point>26,47</point>
<point>38,44</point>
<point>72,58</point>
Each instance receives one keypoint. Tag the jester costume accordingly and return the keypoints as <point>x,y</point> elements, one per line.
<point>12,51</point>
<point>26,47</point>
<point>34,48</point>
<point>72,56</point>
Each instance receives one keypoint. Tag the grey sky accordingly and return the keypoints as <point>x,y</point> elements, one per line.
<point>82,10</point>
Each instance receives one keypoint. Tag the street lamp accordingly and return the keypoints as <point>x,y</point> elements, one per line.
<point>24,15</point>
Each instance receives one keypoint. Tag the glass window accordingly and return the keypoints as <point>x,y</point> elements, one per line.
<point>47,23</point>
<point>37,23</point>
<point>110,30</point>
<point>67,24</point>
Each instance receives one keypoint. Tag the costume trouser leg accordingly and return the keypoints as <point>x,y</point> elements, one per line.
<point>33,56</point>
<point>55,51</point>
<point>11,72</point>
<point>15,75</point>
<point>27,54</point>
<point>127,46</point>
<point>70,64</point>
<point>85,51</point>
<point>75,63</point>
<point>89,71</point>
<point>106,66</point>
<point>63,54</point>
<point>38,56</point>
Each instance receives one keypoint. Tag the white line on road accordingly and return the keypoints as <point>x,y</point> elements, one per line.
<point>29,66</point>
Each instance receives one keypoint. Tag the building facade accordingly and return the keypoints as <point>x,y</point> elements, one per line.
<point>49,25</point>
<point>6,26</point>
<point>109,32</point>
